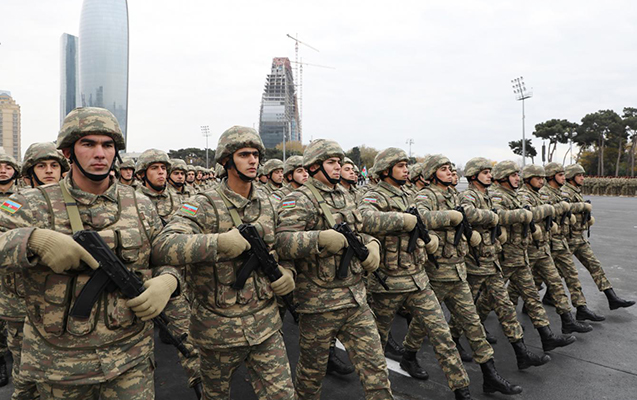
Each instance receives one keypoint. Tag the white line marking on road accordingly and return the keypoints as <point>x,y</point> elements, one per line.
<point>391,364</point>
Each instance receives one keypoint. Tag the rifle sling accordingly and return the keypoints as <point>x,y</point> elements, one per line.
<point>71,209</point>
<point>324,209</point>
<point>234,214</point>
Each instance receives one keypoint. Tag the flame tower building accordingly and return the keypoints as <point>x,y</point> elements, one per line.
<point>279,106</point>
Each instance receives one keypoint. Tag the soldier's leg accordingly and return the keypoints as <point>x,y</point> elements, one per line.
<point>360,337</point>
<point>475,283</point>
<point>567,269</point>
<point>217,367</point>
<point>135,384</point>
<point>385,306</point>
<point>428,319</point>
<point>495,290</point>
<point>585,255</point>
<point>545,268</point>
<point>23,388</point>
<point>522,278</point>
<point>54,391</point>
<point>178,311</point>
<point>269,369</point>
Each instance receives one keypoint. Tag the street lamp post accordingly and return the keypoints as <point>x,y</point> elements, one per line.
<point>410,142</point>
<point>519,89</point>
<point>205,131</point>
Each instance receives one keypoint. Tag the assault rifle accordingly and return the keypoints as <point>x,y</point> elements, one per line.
<point>565,215</point>
<point>464,227</point>
<point>496,231</point>
<point>354,248</point>
<point>585,218</point>
<point>110,276</point>
<point>260,258</point>
<point>530,226</point>
<point>420,231</point>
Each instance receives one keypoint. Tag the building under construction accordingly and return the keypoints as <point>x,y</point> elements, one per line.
<point>279,106</point>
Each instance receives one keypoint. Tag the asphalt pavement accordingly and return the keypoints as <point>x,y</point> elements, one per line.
<point>602,364</point>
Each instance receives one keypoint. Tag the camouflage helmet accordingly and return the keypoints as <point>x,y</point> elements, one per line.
<point>199,168</point>
<point>271,166</point>
<point>149,157</point>
<point>8,159</point>
<point>415,171</point>
<point>553,168</point>
<point>531,170</point>
<point>476,165</point>
<point>453,167</point>
<point>320,150</point>
<point>292,163</point>
<point>347,160</point>
<point>43,151</point>
<point>220,171</point>
<point>503,169</point>
<point>128,162</point>
<point>84,121</point>
<point>236,138</point>
<point>388,158</point>
<point>432,163</point>
<point>260,171</point>
<point>190,168</point>
<point>177,164</point>
<point>573,170</point>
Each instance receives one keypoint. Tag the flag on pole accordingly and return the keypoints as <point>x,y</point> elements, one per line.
<point>364,172</point>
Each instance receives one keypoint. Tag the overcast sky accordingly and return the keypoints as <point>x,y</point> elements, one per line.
<point>436,71</point>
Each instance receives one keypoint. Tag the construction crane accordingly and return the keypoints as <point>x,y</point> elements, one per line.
<point>298,71</point>
<point>299,84</point>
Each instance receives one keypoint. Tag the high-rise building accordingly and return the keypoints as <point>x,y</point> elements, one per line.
<point>10,125</point>
<point>103,57</point>
<point>69,75</point>
<point>279,107</point>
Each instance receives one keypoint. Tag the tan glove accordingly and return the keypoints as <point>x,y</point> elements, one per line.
<point>528,216</point>
<point>476,239</point>
<point>433,244</point>
<point>565,206</point>
<point>231,244</point>
<point>455,217</point>
<point>537,235</point>
<point>555,229</point>
<point>409,222</point>
<point>496,220</point>
<point>591,221</point>
<point>59,251</point>
<point>285,284</point>
<point>152,302</point>
<point>588,207</point>
<point>503,237</point>
<point>573,219</point>
<point>372,261</point>
<point>332,241</point>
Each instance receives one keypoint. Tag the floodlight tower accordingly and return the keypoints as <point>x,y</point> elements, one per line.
<point>519,89</point>
<point>205,131</point>
<point>410,142</point>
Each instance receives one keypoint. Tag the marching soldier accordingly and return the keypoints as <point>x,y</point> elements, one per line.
<point>127,172</point>
<point>191,174</point>
<point>177,178</point>
<point>273,170</point>
<point>349,179</point>
<point>295,176</point>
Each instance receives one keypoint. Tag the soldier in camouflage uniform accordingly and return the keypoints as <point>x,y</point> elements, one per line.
<point>580,247</point>
<point>454,180</point>
<point>109,355</point>
<point>228,325</point>
<point>539,252</point>
<point>330,306</point>
<point>273,170</point>
<point>177,179</point>
<point>349,179</point>
<point>191,173</point>
<point>127,172</point>
<point>262,179</point>
<point>551,193</point>
<point>513,258</point>
<point>449,275</point>
<point>199,183</point>
<point>485,275</point>
<point>295,176</point>
<point>405,275</point>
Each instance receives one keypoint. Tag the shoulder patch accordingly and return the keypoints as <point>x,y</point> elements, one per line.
<point>288,204</point>
<point>276,197</point>
<point>422,196</point>
<point>469,197</point>
<point>10,206</point>
<point>566,194</point>
<point>189,209</point>
<point>526,196</point>
<point>370,200</point>
<point>544,196</point>
<point>496,199</point>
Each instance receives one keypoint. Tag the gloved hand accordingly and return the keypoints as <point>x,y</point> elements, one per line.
<point>565,206</point>
<point>409,222</point>
<point>528,216</point>
<point>555,229</point>
<point>573,219</point>
<point>495,222</point>
<point>59,251</point>
<point>153,300</point>
<point>591,221</point>
<point>588,207</point>
<point>455,217</point>
<point>231,244</point>
<point>332,241</point>
<point>433,244</point>
<point>285,284</point>
<point>537,235</point>
<point>476,239</point>
<point>372,261</point>
<point>503,237</point>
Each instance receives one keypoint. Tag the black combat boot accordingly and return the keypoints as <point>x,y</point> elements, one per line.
<point>615,302</point>
<point>198,388</point>
<point>493,382</point>
<point>410,364</point>
<point>464,356</point>
<point>551,341</point>
<point>336,365</point>
<point>393,350</point>
<point>490,338</point>
<point>4,376</point>
<point>569,325</point>
<point>585,313</point>
<point>527,359</point>
<point>462,394</point>
<point>548,299</point>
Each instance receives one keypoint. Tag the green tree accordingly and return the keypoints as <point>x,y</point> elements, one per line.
<point>555,131</point>
<point>367,156</point>
<point>355,155</point>
<point>630,119</point>
<point>193,156</point>
<point>516,147</point>
<point>597,130</point>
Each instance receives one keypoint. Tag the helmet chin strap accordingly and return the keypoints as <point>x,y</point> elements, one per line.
<point>574,183</point>
<point>351,182</point>
<point>230,164</point>
<point>154,187</point>
<point>5,181</point>
<point>178,185</point>
<point>273,182</point>
<point>447,184</point>
<point>93,177</point>
<point>34,177</point>
<point>330,180</point>
<point>484,185</point>
<point>528,182</point>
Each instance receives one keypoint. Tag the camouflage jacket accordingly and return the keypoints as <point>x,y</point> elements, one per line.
<point>511,213</point>
<point>57,346</point>
<point>184,193</point>
<point>222,317</point>
<point>270,187</point>
<point>478,209</point>
<point>450,257</point>
<point>167,202</point>
<point>12,306</point>
<point>553,196</point>
<point>278,195</point>
<point>383,208</point>
<point>542,214</point>
<point>14,188</point>
<point>574,196</point>
<point>301,221</point>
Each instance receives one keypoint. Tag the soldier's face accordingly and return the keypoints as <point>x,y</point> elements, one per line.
<point>156,174</point>
<point>560,178</point>
<point>126,173</point>
<point>246,161</point>
<point>454,178</point>
<point>514,180</point>
<point>537,182</point>
<point>347,172</point>
<point>300,175</point>
<point>178,176</point>
<point>444,174</point>
<point>263,178</point>
<point>48,171</point>
<point>190,176</point>
<point>400,171</point>
<point>95,153</point>
<point>199,175</point>
<point>579,179</point>
<point>6,171</point>
<point>277,176</point>
<point>485,177</point>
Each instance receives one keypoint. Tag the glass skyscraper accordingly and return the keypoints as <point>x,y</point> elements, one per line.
<point>103,57</point>
<point>69,76</point>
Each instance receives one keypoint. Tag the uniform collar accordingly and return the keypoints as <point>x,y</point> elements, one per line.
<point>235,198</point>
<point>323,187</point>
<point>393,189</point>
<point>86,198</point>
<point>572,187</point>
<point>151,193</point>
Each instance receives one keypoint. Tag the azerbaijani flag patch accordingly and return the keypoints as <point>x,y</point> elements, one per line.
<point>276,197</point>
<point>470,197</point>
<point>288,204</point>
<point>10,206</point>
<point>422,196</point>
<point>370,200</point>
<point>189,209</point>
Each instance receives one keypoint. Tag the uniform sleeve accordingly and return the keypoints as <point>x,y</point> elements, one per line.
<point>507,217</point>
<point>377,219</point>
<point>294,235</point>
<point>475,215</point>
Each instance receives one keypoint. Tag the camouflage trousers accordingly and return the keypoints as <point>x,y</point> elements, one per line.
<point>522,278</point>
<point>585,255</point>
<point>544,269</point>
<point>4,350</point>
<point>267,365</point>
<point>178,312</point>
<point>356,329</point>
<point>427,319</point>
<point>457,296</point>
<point>566,267</point>
<point>135,384</point>
<point>22,388</point>
<point>493,289</point>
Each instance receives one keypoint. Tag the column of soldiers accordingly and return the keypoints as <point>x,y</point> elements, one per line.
<point>610,186</point>
<point>351,257</point>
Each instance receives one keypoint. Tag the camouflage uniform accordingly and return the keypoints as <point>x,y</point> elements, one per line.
<point>407,280</point>
<point>270,166</point>
<point>353,189</point>
<point>289,166</point>
<point>184,191</point>
<point>229,326</point>
<point>109,354</point>
<point>129,162</point>
<point>329,307</point>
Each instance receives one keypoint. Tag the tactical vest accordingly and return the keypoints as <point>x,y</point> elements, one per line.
<point>516,244</point>
<point>487,250</point>
<point>539,247</point>
<point>50,296</point>
<point>447,252</point>
<point>12,306</point>
<point>558,240</point>
<point>574,196</point>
